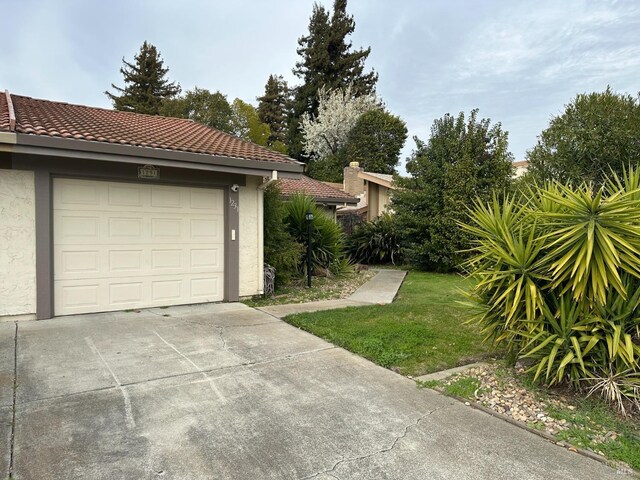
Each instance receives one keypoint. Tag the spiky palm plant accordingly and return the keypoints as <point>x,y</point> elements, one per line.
<point>558,278</point>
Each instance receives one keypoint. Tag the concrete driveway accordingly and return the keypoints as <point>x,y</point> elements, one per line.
<point>226,392</point>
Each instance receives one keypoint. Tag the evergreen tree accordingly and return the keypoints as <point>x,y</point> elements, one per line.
<point>465,159</point>
<point>598,133</point>
<point>146,85</point>
<point>272,108</point>
<point>327,60</point>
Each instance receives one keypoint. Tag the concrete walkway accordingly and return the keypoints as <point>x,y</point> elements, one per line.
<point>380,290</point>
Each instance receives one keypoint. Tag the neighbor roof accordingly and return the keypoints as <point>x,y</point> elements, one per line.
<point>320,191</point>
<point>65,120</point>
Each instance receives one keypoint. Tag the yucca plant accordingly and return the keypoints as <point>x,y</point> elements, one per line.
<point>327,239</point>
<point>508,272</point>
<point>592,239</point>
<point>557,275</point>
<point>377,241</point>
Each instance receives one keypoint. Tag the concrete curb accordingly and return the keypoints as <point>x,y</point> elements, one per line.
<point>442,374</point>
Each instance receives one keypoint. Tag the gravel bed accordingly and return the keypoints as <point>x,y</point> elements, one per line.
<point>505,394</point>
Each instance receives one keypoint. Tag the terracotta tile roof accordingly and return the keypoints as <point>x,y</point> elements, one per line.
<point>314,188</point>
<point>55,119</point>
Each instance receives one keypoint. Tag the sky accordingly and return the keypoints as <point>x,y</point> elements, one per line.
<point>518,62</point>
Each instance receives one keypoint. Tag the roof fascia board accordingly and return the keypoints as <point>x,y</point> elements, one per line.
<point>26,150</point>
<point>374,179</point>
<point>8,137</point>
<point>66,147</point>
<point>330,201</point>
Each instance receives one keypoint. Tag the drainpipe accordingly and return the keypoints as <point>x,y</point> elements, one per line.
<point>273,178</point>
<point>12,113</point>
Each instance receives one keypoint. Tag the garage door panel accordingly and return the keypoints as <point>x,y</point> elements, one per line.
<point>123,194</point>
<point>205,288</point>
<point>126,293</point>
<point>126,229</point>
<point>129,261</point>
<point>167,229</point>
<point>167,291</point>
<point>75,228</point>
<point>136,246</point>
<point>206,229</point>
<point>167,197</point>
<point>201,199</point>
<point>83,297</point>
<point>79,194</point>
<point>73,262</point>
<point>168,259</point>
<point>206,259</point>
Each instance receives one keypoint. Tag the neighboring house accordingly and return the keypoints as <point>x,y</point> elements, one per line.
<point>326,196</point>
<point>373,189</point>
<point>103,210</point>
<point>520,168</point>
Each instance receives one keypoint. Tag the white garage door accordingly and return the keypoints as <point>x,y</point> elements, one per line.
<point>129,245</point>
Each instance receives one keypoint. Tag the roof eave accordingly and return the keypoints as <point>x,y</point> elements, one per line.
<point>374,179</point>
<point>325,200</point>
<point>66,147</point>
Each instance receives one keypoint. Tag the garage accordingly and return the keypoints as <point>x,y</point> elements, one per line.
<point>103,210</point>
<point>120,245</point>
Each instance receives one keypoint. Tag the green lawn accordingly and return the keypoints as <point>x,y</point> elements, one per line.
<point>423,331</point>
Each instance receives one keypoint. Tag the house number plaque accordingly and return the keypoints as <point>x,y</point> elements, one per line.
<point>148,171</point>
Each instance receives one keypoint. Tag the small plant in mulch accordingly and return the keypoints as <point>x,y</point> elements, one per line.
<point>328,287</point>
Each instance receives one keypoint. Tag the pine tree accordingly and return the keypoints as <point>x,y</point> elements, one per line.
<point>272,108</point>
<point>146,86</point>
<point>327,60</point>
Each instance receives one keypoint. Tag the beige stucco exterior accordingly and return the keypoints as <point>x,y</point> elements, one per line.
<point>251,238</point>
<point>377,199</point>
<point>17,243</point>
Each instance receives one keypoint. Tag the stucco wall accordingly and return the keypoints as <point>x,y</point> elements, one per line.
<point>384,199</point>
<point>250,236</point>
<point>17,243</point>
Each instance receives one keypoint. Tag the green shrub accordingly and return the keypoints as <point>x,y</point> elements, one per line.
<point>327,239</point>
<point>377,241</point>
<point>558,281</point>
<point>465,158</point>
<point>281,250</point>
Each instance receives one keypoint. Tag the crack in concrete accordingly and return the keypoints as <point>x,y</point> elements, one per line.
<point>221,335</point>
<point>248,325</point>
<point>330,471</point>
<point>204,323</point>
<point>13,409</point>
<point>243,365</point>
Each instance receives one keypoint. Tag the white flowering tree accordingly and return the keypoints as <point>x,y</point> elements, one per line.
<point>338,112</point>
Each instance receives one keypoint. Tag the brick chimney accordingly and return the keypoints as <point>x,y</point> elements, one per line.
<point>352,183</point>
